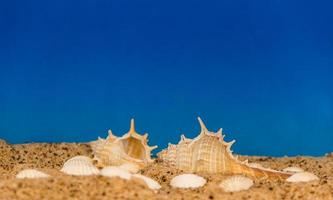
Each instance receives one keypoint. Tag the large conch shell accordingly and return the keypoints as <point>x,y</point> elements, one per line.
<point>130,148</point>
<point>209,153</point>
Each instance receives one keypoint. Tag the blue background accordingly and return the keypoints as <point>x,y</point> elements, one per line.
<point>262,70</point>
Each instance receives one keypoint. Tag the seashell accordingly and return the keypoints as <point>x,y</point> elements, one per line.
<point>79,167</point>
<point>83,158</point>
<point>152,184</point>
<point>130,148</point>
<point>293,169</point>
<point>209,153</point>
<point>130,167</point>
<point>112,171</point>
<point>302,177</point>
<point>236,183</point>
<point>31,173</point>
<point>187,181</point>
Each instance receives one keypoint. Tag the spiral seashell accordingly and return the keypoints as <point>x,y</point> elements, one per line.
<point>293,169</point>
<point>302,177</point>
<point>209,153</point>
<point>236,184</point>
<point>187,181</point>
<point>79,167</point>
<point>152,184</point>
<point>31,173</point>
<point>130,148</point>
<point>112,171</point>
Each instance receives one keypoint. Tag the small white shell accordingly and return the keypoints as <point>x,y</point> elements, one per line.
<point>112,171</point>
<point>130,167</point>
<point>84,158</point>
<point>152,184</point>
<point>31,173</point>
<point>187,181</point>
<point>236,183</point>
<point>293,169</point>
<point>302,177</point>
<point>79,167</point>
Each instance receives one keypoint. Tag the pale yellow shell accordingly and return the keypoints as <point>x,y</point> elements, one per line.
<point>302,177</point>
<point>79,166</point>
<point>236,183</point>
<point>187,181</point>
<point>151,183</point>
<point>31,174</point>
<point>112,171</point>
<point>130,167</point>
<point>208,152</point>
<point>130,148</point>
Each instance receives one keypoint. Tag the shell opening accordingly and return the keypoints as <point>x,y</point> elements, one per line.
<point>134,148</point>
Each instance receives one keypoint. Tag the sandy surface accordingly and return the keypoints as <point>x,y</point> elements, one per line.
<point>50,158</point>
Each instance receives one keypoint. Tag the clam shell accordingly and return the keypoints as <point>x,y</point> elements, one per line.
<point>79,167</point>
<point>83,158</point>
<point>130,148</point>
<point>302,177</point>
<point>236,183</point>
<point>187,181</point>
<point>130,167</point>
<point>293,169</point>
<point>152,184</point>
<point>31,173</point>
<point>112,171</point>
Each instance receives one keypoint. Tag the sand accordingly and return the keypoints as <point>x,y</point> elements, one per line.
<point>49,158</point>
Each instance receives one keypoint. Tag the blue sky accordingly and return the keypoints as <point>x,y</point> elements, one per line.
<point>262,70</point>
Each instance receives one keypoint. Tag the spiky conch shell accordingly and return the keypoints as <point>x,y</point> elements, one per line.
<point>130,148</point>
<point>209,153</point>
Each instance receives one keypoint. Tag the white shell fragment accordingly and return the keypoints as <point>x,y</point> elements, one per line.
<point>236,183</point>
<point>293,169</point>
<point>130,167</point>
<point>112,171</point>
<point>79,167</point>
<point>302,177</point>
<point>152,184</point>
<point>187,181</point>
<point>31,173</point>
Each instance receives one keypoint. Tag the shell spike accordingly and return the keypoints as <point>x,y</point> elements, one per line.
<point>110,134</point>
<point>202,125</point>
<point>132,129</point>
<point>183,138</point>
<point>153,147</point>
<point>229,144</point>
<point>219,133</point>
<point>145,136</point>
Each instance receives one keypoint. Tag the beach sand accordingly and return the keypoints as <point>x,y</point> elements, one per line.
<point>49,158</point>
